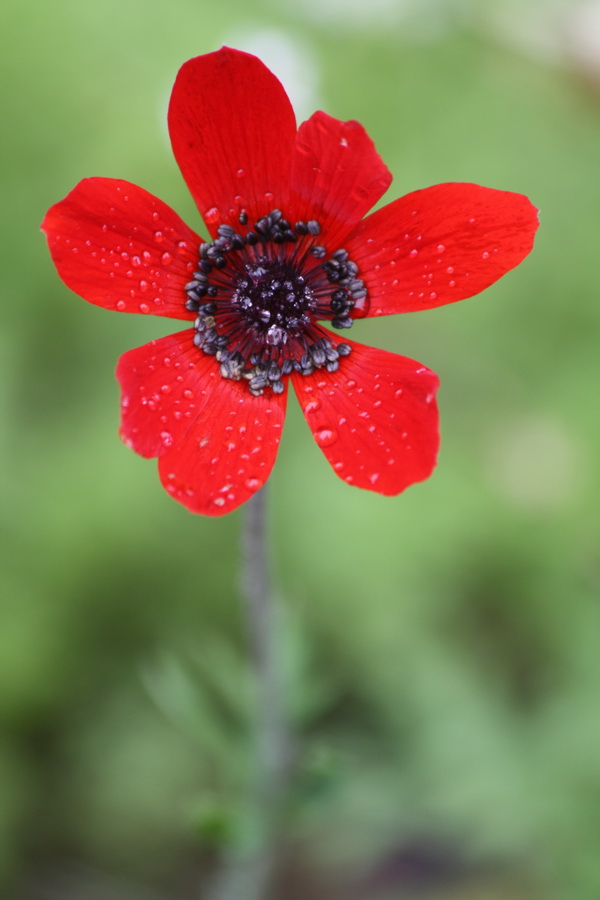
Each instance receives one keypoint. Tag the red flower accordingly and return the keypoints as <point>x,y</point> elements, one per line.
<point>289,248</point>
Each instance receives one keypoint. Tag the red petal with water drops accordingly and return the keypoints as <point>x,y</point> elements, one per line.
<point>164,385</point>
<point>375,419</point>
<point>120,247</point>
<point>232,128</point>
<point>441,244</point>
<point>229,451</point>
<point>337,174</point>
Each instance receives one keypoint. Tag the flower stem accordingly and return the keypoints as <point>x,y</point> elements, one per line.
<point>248,874</point>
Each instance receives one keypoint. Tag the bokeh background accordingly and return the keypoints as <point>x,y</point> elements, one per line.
<point>443,647</point>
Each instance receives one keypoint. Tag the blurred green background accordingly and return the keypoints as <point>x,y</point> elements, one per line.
<point>444,646</point>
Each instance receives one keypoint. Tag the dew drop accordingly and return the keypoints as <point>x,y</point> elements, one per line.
<point>121,305</point>
<point>167,438</point>
<point>312,406</point>
<point>485,255</point>
<point>166,258</point>
<point>158,236</point>
<point>374,477</point>
<point>144,308</point>
<point>450,270</point>
<point>253,484</point>
<point>413,253</point>
<point>325,437</point>
<point>219,501</point>
<point>441,248</point>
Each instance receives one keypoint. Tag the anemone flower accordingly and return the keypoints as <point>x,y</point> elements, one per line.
<point>291,247</point>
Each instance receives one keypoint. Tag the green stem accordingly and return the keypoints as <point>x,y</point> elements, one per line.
<point>248,874</point>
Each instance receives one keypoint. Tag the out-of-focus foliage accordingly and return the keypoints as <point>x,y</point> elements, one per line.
<point>443,646</point>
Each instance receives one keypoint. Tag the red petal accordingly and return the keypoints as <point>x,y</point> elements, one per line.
<point>232,128</point>
<point>375,419</point>
<point>229,451</point>
<point>441,244</point>
<point>119,247</point>
<point>337,174</point>
<point>164,384</point>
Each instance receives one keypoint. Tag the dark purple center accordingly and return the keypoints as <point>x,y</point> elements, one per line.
<point>260,294</point>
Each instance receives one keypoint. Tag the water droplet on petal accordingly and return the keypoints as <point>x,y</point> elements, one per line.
<point>144,308</point>
<point>374,477</point>
<point>167,438</point>
<point>485,255</point>
<point>312,406</point>
<point>325,437</point>
<point>121,305</point>
<point>158,236</point>
<point>166,258</point>
<point>253,484</point>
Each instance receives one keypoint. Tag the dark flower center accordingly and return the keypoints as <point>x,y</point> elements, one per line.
<point>260,294</point>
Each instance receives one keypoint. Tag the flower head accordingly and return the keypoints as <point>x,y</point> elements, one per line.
<point>289,249</point>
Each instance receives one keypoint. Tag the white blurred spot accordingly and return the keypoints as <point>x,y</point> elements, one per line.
<point>537,463</point>
<point>289,58</point>
<point>420,19</point>
<point>583,37</point>
<point>562,32</point>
